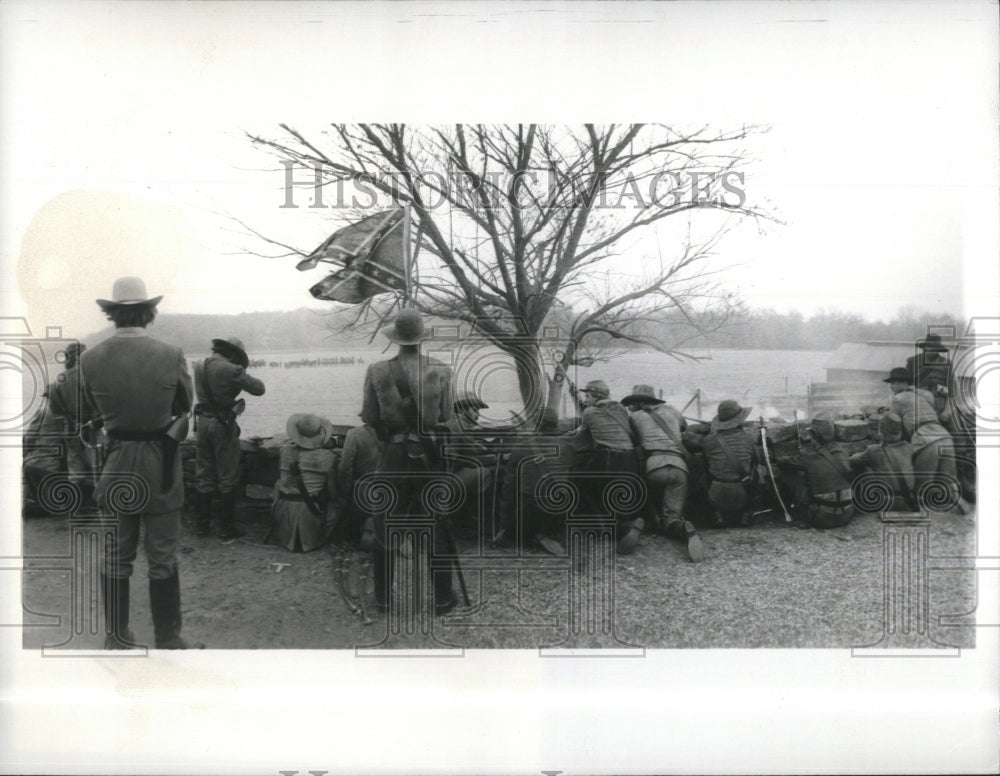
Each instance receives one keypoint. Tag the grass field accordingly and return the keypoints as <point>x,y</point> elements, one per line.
<point>755,377</point>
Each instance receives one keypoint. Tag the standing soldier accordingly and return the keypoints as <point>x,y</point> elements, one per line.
<point>659,428</point>
<point>930,369</point>
<point>731,458</point>
<point>893,460</point>
<point>43,458</point>
<point>218,380</point>
<point>406,399</point>
<point>604,444</point>
<point>142,389</point>
<point>65,400</point>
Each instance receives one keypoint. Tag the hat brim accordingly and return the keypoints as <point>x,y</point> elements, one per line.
<point>313,442</point>
<point>907,380</point>
<point>636,398</point>
<point>478,404</point>
<point>933,347</point>
<point>107,304</point>
<point>389,332</point>
<point>733,422</point>
<point>230,348</point>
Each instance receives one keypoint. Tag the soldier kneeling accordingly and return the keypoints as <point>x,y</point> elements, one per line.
<point>892,460</point>
<point>303,496</point>
<point>824,498</point>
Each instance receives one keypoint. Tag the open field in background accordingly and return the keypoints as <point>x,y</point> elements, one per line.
<point>753,377</point>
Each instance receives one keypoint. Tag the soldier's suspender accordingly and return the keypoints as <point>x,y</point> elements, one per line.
<point>201,375</point>
<point>410,410</point>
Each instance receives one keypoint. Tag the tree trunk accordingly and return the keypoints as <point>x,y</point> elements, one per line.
<point>530,379</point>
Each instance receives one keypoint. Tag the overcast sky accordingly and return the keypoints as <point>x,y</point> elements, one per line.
<point>123,146</point>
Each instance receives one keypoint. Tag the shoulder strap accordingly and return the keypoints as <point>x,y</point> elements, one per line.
<point>666,428</point>
<point>303,490</point>
<point>403,386</point>
<point>837,465</point>
<point>201,377</point>
<point>410,411</point>
<point>729,454</point>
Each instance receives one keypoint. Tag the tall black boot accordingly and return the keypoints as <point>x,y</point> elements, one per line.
<point>115,597</point>
<point>229,529</point>
<point>88,506</point>
<point>165,602</point>
<point>203,507</point>
<point>444,597</point>
<point>382,574</point>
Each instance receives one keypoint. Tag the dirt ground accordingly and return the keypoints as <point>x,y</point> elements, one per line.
<point>770,585</point>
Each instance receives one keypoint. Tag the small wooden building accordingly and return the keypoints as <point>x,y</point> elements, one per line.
<point>856,370</point>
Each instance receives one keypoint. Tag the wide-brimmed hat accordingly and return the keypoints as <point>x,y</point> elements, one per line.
<point>598,388</point>
<point>308,430</point>
<point>642,393</point>
<point>469,399</point>
<point>232,347</point>
<point>729,415</point>
<point>126,292</point>
<point>899,374</point>
<point>407,328</point>
<point>932,343</point>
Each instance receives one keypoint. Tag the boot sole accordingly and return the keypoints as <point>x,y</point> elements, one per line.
<point>696,549</point>
<point>628,543</point>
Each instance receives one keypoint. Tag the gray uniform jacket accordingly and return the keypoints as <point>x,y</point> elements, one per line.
<point>430,383</point>
<point>138,383</point>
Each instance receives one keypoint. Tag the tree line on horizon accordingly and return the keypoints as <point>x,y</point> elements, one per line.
<point>766,329</point>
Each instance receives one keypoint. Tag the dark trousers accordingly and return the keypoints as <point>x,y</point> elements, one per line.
<point>612,488</point>
<point>406,482</point>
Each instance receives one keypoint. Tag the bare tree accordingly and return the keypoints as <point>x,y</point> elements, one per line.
<point>521,225</point>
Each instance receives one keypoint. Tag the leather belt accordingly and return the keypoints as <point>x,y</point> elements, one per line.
<point>137,436</point>
<point>209,409</point>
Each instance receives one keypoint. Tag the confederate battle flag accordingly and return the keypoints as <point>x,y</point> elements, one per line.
<point>372,257</point>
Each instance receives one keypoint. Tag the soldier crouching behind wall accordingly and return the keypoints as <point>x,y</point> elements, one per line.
<point>892,461</point>
<point>731,459</point>
<point>933,447</point>
<point>405,399</point>
<point>360,456</point>
<point>538,463</point>
<point>472,462</point>
<point>604,445</point>
<point>219,379</point>
<point>659,428</point>
<point>824,496</point>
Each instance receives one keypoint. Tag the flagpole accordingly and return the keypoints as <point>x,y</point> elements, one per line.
<point>407,248</point>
